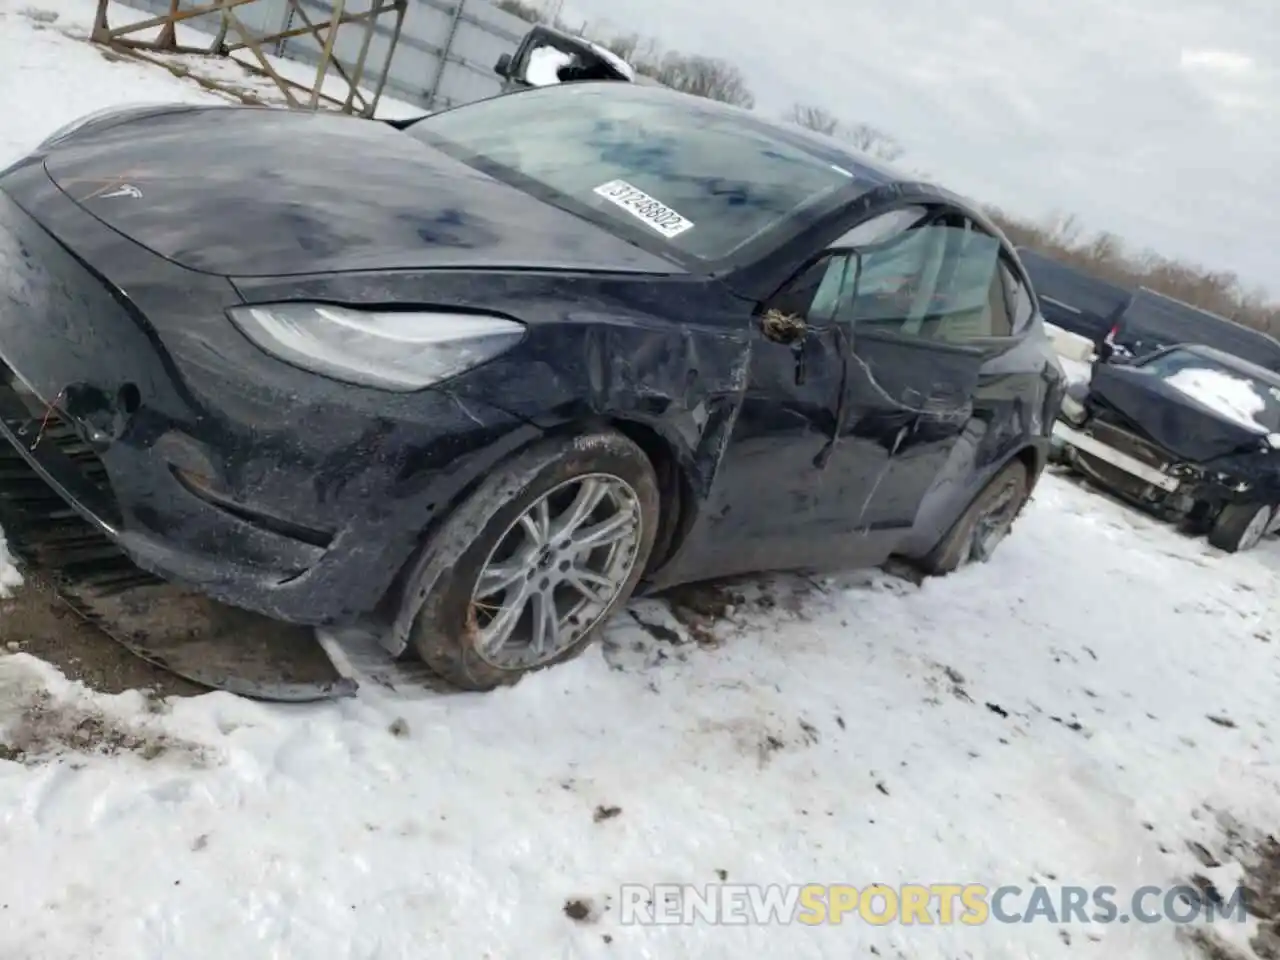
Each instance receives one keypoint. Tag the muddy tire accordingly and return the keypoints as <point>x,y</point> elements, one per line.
<point>542,553</point>
<point>1240,526</point>
<point>984,524</point>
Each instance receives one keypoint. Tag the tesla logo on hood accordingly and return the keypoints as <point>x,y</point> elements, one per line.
<point>124,190</point>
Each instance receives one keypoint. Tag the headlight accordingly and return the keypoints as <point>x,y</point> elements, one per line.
<point>390,350</point>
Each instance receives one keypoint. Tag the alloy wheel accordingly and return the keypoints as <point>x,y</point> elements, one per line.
<point>1256,529</point>
<point>555,571</point>
<point>993,524</point>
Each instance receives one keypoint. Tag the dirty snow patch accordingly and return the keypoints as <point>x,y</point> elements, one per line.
<point>989,725</point>
<point>50,79</point>
<point>44,718</point>
<point>10,576</point>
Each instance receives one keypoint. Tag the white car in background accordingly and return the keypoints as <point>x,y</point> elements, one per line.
<point>548,56</point>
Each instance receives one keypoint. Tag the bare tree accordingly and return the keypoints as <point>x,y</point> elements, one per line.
<point>625,45</point>
<point>873,141</point>
<point>643,53</point>
<point>813,118</point>
<point>1105,247</point>
<point>1104,256</point>
<point>707,77</point>
<point>1064,229</point>
<point>863,136</point>
<point>520,8</point>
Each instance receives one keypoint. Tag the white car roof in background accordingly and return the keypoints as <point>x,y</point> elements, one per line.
<point>614,60</point>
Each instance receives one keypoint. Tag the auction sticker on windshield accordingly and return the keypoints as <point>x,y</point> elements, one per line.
<point>657,215</point>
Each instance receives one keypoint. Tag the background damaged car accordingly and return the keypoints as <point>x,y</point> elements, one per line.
<point>1189,432</point>
<point>1129,324</point>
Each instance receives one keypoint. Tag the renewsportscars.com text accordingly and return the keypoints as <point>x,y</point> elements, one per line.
<point>969,904</point>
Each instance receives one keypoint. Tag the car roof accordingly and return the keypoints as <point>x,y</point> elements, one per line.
<point>1239,364</point>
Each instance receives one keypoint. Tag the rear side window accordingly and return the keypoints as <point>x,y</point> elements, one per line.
<point>942,282</point>
<point>1020,302</point>
<point>916,273</point>
<point>882,227</point>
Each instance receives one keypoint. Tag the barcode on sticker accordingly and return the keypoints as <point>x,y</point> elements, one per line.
<point>657,215</point>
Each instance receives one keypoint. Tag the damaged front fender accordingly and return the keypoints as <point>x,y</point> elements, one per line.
<point>684,384</point>
<point>672,355</point>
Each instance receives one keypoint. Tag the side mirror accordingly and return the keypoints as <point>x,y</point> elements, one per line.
<point>784,328</point>
<point>503,67</point>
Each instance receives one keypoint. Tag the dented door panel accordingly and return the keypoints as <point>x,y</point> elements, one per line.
<point>925,392</point>
<point>783,490</point>
<point>1013,390</point>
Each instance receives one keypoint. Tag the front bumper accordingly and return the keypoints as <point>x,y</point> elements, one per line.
<point>1143,473</point>
<point>1143,470</point>
<point>207,462</point>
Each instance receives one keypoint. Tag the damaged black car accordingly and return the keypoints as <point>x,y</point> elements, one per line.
<point>477,378</point>
<point>1188,432</point>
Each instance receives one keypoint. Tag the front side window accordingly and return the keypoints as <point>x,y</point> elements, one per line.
<point>940,281</point>
<point>814,293</point>
<point>882,226</point>
<point>694,176</point>
<point>1226,390</point>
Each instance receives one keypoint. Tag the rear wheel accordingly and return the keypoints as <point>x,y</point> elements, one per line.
<point>986,522</point>
<point>525,572</point>
<point>1240,526</point>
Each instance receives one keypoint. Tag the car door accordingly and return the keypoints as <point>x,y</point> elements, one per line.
<point>806,451</point>
<point>781,480</point>
<point>853,399</point>
<point>933,315</point>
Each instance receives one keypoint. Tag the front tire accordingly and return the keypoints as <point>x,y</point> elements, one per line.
<point>985,523</point>
<point>529,567</point>
<point>1240,526</point>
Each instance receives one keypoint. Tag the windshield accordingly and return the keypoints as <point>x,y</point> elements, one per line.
<point>1224,389</point>
<point>704,180</point>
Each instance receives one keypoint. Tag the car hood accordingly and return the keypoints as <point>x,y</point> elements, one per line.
<point>252,192</point>
<point>1188,429</point>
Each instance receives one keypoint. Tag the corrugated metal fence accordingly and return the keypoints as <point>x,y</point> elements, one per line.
<point>445,56</point>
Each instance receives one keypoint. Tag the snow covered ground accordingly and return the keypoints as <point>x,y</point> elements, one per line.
<point>41,94</point>
<point>1078,711</point>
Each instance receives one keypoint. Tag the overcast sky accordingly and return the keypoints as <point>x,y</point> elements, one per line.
<point>1157,119</point>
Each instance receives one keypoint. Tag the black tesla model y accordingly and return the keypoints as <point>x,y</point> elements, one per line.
<point>487,373</point>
